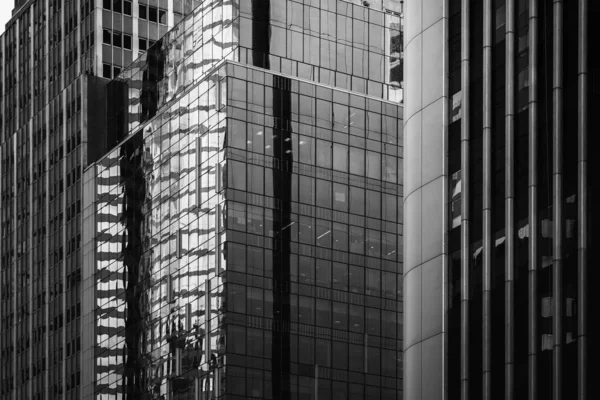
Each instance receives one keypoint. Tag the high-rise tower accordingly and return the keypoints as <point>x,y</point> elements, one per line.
<point>52,57</point>
<point>499,199</point>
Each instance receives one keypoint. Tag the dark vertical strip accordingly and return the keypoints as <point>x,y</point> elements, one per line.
<point>464,247</point>
<point>582,197</point>
<point>133,182</point>
<point>520,187</point>
<point>498,191</point>
<point>282,181</point>
<point>261,33</point>
<point>475,117</point>
<point>557,189</point>
<point>544,197</point>
<point>533,201</point>
<point>569,159</point>
<point>509,199</point>
<point>592,123</point>
<point>487,199</point>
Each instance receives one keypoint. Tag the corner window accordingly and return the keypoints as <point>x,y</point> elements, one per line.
<point>106,36</point>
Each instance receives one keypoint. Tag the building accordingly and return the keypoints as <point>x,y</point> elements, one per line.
<point>242,233</point>
<point>52,57</point>
<point>499,199</point>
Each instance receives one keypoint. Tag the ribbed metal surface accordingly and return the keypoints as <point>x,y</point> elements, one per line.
<point>533,201</point>
<point>557,195</point>
<point>582,197</point>
<point>510,200</point>
<point>487,199</point>
<point>543,104</point>
<point>464,233</point>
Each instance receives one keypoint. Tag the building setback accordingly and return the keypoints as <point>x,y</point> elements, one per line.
<point>242,233</point>
<point>53,56</point>
<point>499,199</point>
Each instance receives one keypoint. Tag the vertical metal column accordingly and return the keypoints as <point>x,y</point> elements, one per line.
<point>533,200</point>
<point>464,228</point>
<point>582,200</point>
<point>557,195</point>
<point>487,200</point>
<point>510,200</point>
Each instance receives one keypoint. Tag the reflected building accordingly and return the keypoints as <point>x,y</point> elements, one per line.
<point>499,199</point>
<point>242,231</point>
<point>53,56</point>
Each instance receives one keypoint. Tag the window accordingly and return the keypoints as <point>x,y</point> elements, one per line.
<point>116,71</point>
<point>107,4</point>
<point>106,36</point>
<point>143,11</point>
<point>117,6</point>
<point>143,44</point>
<point>117,39</point>
<point>153,14</point>
<point>162,17</point>
<point>106,70</point>
<point>127,7</point>
<point>127,42</point>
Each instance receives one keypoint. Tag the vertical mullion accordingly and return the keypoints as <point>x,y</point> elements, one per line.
<point>533,199</point>
<point>582,206</point>
<point>509,199</point>
<point>557,189</point>
<point>465,201</point>
<point>487,198</point>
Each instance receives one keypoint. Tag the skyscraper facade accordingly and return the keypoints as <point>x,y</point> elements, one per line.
<point>499,199</point>
<point>52,56</point>
<point>242,233</point>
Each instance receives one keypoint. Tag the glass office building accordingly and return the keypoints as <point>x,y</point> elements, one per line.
<point>499,199</point>
<point>52,57</point>
<point>242,233</point>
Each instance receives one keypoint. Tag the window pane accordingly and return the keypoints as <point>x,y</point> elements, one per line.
<point>127,42</point>
<point>153,14</point>
<point>340,157</point>
<point>256,179</point>
<point>340,276</point>
<point>373,204</point>
<point>357,200</point>
<point>323,153</point>
<point>357,161</point>
<point>323,271</point>
<point>306,190</point>
<point>373,165</point>
<point>106,36</point>
<point>236,175</point>
<point>323,193</point>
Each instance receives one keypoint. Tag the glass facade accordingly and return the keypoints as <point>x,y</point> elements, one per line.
<point>334,42</point>
<point>244,238</point>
